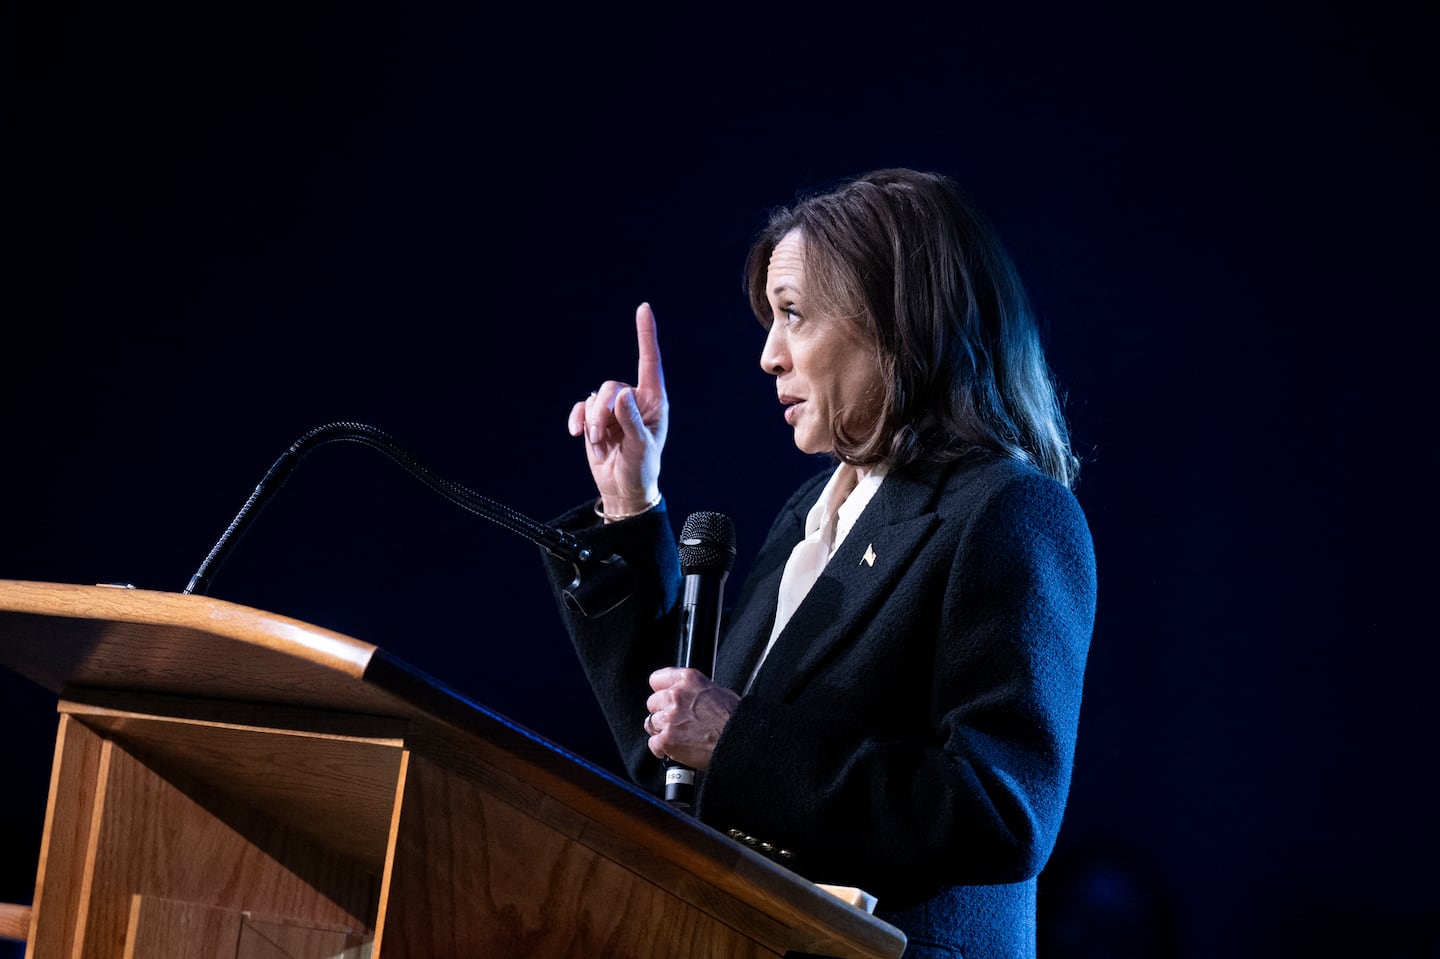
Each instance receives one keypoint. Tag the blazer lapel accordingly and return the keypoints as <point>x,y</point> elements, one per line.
<point>861,574</point>
<point>749,628</point>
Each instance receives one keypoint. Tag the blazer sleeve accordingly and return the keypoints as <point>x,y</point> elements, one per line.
<point>947,760</point>
<point>620,649</point>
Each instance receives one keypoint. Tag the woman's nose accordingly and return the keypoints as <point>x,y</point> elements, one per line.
<point>773,358</point>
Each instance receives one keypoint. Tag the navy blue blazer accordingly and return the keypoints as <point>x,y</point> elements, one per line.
<point>912,730</point>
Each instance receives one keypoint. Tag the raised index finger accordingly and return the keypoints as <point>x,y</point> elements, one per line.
<point>651,379</point>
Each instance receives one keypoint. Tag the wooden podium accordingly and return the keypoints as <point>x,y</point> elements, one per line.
<point>232,783</point>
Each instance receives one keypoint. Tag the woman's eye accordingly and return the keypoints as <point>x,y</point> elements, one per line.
<point>792,315</point>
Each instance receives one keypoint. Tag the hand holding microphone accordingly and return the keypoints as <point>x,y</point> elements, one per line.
<point>687,711</point>
<point>690,711</point>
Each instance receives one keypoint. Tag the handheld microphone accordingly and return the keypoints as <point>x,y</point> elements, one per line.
<point>707,552</point>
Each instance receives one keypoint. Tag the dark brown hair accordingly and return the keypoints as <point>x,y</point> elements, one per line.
<point>908,259</point>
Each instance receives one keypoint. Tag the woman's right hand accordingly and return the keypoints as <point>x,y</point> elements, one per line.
<point>624,428</point>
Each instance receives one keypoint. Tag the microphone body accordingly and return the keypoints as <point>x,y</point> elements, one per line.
<point>700,621</point>
<point>707,552</point>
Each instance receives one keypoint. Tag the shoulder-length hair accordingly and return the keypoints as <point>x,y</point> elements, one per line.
<point>920,271</point>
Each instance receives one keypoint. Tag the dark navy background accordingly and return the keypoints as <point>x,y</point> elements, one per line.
<point>230,224</point>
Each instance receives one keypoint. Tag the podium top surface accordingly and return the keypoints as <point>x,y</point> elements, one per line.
<point>66,637</point>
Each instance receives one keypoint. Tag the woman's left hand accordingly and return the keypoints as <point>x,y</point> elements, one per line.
<point>687,714</point>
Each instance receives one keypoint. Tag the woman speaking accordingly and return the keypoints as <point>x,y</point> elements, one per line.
<point>896,694</point>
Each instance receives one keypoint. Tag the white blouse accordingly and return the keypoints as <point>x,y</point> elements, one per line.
<point>830,520</point>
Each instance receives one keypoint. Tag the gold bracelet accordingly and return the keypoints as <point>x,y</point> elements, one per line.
<point>616,517</point>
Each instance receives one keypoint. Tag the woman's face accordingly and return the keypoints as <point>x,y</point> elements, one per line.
<point>823,365</point>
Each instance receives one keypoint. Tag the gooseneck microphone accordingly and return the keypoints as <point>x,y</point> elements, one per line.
<point>707,552</point>
<point>599,586</point>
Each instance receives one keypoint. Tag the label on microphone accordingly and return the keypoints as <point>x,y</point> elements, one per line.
<point>679,774</point>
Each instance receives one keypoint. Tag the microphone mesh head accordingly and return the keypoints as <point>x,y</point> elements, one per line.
<point>707,543</point>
